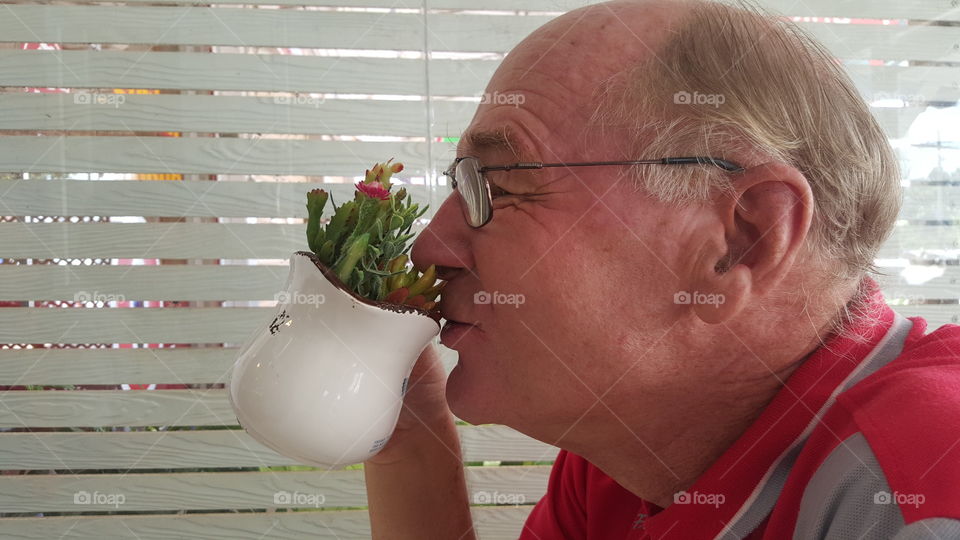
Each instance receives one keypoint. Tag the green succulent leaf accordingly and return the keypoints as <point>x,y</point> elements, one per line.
<point>350,257</point>
<point>367,237</point>
<point>316,200</point>
<point>338,223</point>
<point>376,289</point>
<point>326,253</point>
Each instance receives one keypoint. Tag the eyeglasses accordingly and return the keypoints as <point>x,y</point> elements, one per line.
<point>466,176</point>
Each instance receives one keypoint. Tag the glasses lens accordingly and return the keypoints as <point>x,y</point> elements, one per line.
<point>473,192</point>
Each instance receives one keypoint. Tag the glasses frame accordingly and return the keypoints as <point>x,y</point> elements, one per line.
<point>482,214</point>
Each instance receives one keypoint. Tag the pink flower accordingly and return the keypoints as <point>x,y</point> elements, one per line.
<point>374,190</point>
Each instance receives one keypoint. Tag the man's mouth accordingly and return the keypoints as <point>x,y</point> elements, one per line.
<point>453,331</point>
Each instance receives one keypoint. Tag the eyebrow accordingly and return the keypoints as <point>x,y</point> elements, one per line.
<point>494,140</point>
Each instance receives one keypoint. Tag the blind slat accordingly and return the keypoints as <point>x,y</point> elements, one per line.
<point>878,9</point>
<point>203,155</point>
<point>114,366</point>
<point>494,5</point>
<point>175,199</point>
<point>868,9</point>
<point>216,449</point>
<point>886,42</point>
<point>248,72</point>
<point>218,491</point>
<point>131,325</point>
<point>112,69</point>
<point>193,71</point>
<point>125,283</point>
<point>928,201</point>
<point>936,315</point>
<point>100,408</point>
<point>211,26</point>
<point>896,288</point>
<point>909,241</point>
<point>229,114</point>
<point>448,32</point>
<point>151,240</point>
<point>491,523</point>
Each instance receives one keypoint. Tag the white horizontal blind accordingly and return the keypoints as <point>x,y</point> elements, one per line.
<point>249,106</point>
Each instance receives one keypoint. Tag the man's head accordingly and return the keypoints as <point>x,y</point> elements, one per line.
<point>642,286</point>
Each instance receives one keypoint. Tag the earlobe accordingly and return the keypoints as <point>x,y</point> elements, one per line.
<point>730,293</point>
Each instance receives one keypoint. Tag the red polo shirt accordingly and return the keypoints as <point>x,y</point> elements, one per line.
<point>863,441</point>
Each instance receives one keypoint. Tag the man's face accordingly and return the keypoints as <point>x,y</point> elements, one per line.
<point>570,284</point>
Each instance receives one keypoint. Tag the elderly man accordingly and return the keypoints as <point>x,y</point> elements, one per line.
<point>688,199</point>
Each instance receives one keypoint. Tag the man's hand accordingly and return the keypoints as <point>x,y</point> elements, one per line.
<point>424,408</point>
<point>422,458</point>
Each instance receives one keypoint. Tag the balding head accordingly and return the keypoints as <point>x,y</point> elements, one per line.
<point>570,57</point>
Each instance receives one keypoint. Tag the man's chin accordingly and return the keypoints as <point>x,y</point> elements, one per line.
<point>468,400</point>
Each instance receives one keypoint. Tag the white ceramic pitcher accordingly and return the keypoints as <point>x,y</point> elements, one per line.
<point>323,382</point>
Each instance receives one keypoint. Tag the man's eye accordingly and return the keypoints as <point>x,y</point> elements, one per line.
<point>497,191</point>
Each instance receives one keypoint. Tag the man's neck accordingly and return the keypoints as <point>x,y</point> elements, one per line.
<point>655,469</point>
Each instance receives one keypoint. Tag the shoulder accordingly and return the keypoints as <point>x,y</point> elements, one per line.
<point>909,413</point>
<point>895,476</point>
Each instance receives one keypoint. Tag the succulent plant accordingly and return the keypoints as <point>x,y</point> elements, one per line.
<point>365,242</point>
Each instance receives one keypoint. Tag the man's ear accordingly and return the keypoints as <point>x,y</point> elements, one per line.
<point>766,217</point>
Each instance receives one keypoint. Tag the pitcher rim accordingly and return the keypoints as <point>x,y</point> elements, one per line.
<point>339,284</point>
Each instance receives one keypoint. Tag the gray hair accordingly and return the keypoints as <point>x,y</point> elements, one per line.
<point>734,81</point>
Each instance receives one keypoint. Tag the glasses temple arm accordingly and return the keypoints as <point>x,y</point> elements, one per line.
<point>722,163</point>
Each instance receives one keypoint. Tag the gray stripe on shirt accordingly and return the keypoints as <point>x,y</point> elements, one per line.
<point>928,529</point>
<point>849,497</point>
<point>890,349</point>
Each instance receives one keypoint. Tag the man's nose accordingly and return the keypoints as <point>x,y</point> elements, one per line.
<point>445,241</point>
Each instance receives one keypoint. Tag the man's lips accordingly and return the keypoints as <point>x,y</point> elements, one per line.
<point>453,331</point>
<point>452,314</point>
<point>456,325</point>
